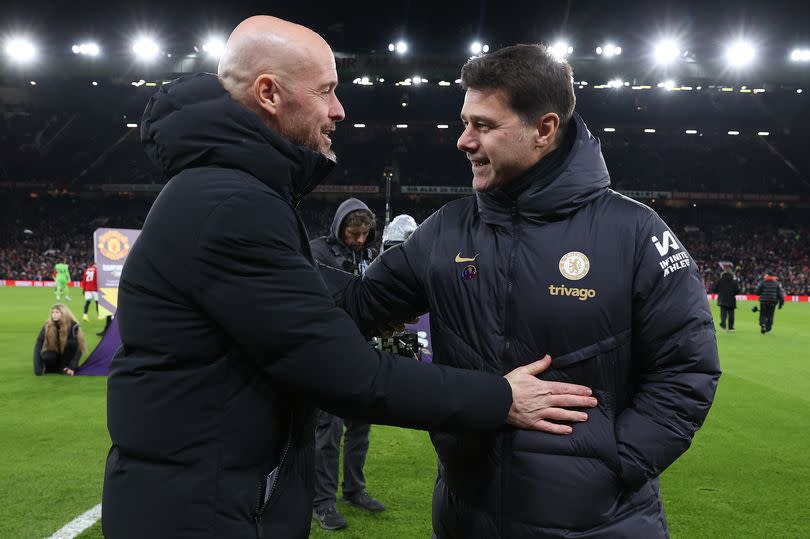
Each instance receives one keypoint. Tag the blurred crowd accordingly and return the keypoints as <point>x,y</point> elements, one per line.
<point>36,233</point>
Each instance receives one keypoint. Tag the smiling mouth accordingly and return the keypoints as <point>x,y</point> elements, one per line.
<point>326,136</point>
<point>479,163</point>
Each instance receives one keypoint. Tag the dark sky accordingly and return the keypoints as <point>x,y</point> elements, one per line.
<point>430,26</point>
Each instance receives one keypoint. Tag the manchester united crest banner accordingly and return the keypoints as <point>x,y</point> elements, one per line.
<point>111,245</point>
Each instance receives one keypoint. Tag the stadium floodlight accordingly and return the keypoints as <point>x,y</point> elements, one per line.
<point>391,47</point>
<point>214,46</point>
<point>359,126</point>
<point>21,50</point>
<point>610,130</point>
<point>615,83</point>
<point>561,50</point>
<point>402,126</point>
<point>89,48</point>
<point>33,83</point>
<point>800,55</point>
<point>734,133</point>
<point>478,48</point>
<point>740,53</point>
<point>609,50</point>
<point>145,48</point>
<point>763,133</point>
<point>94,83</point>
<point>691,131</point>
<point>442,126</point>
<point>132,125</point>
<point>401,47</point>
<point>649,130</point>
<point>444,83</point>
<point>666,51</point>
<point>799,90</point>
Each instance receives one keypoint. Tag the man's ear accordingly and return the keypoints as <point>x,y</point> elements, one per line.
<point>267,93</point>
<point>547,126</point>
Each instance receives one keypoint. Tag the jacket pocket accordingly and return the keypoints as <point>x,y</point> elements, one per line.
<point>573,481</point>
<point>602,347</point>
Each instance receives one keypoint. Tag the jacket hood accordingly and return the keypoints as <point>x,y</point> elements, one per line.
<point>345,208</point>
<point>193,122</point>
<point>582,177</point>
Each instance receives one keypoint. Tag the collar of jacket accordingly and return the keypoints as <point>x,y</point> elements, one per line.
<point>344,252</point>
<point>552,195</point>
<point>193,122</point>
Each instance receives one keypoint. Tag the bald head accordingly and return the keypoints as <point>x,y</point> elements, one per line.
<point>267,45</point>
<point>285,73</point>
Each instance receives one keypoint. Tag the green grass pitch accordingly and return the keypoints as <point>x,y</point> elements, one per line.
<point>746,475</point>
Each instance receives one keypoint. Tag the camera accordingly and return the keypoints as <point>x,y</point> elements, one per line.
<point>402,344</point>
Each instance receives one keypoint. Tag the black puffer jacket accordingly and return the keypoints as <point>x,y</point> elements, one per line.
<point>69,357</point>
<point>599,282</point>
<point>727,290</point>
<point>770,291</point>
<point>229,337</point>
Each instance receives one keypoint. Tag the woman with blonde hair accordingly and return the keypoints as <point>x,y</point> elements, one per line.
<point>60,343</point>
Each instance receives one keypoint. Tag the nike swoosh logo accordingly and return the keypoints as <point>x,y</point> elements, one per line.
<point>459,258</point>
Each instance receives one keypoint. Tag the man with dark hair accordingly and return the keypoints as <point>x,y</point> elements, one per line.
<point>545,258</point>
<point>770,294</point>
<point>345,248</point>
<point>727,290</point>
<point>229,335</point>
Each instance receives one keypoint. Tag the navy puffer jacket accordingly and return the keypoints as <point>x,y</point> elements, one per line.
<point>599,282</point>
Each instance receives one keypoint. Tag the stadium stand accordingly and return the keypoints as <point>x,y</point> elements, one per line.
<point>69,163</point>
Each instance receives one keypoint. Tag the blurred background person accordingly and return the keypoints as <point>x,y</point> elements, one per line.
<point>398,230</point>
<point>345,248</point>
<point>61,274</point>
<point>770,294</point>
<point>727,289</point>
<point>90,289</point>
<point>60,343</point>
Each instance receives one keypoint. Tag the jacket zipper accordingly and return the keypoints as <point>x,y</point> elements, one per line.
<point>504,445</point>
<point>262,505</point>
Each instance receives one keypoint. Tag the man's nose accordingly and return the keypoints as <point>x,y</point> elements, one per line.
<point>336,112</point>
<point>466,142</point>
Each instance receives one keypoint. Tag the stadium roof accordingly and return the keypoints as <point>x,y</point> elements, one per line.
<point>439,34</point>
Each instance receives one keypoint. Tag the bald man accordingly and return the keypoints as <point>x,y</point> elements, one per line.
<point>229,336</point>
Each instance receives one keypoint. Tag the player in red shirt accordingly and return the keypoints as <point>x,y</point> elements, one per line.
<point>90,288</point>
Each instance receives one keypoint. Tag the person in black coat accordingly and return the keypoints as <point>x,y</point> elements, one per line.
<point>60,343</point>
<point>347,247</point>
<point>546,259</point>
<point>771,294</point>
<point>229,336</point>
<point>727,289</point>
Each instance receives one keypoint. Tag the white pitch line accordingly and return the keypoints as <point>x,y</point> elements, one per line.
<point>78,524</point>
